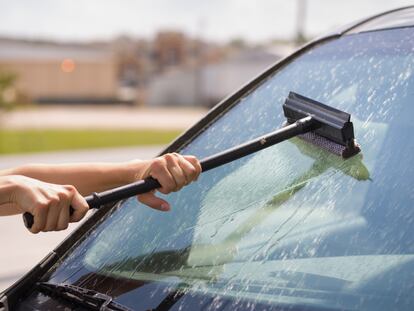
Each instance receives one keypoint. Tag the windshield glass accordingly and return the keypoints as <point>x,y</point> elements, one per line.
<point>291,225</point>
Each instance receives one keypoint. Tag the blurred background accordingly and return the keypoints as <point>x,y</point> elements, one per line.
<point>129,76</point>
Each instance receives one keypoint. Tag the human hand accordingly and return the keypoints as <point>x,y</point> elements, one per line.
<point>173,171</point>
<point>48,203</point>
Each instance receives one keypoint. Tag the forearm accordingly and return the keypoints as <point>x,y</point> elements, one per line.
<point>86,177</point>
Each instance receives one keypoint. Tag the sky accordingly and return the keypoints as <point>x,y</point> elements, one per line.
<point>217,20</point>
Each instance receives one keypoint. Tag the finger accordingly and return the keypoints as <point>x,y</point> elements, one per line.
<point>196,163</point>
<point>63,219</point>
<point>188,169</point>
<point>39,213</point>
<point>52,215</point>
<point>80,207</point>
<point>160,172</point>
<point>154,202</point>
<point>176,171</point>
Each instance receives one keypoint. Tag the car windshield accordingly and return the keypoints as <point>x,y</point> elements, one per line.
<point>291,225</point>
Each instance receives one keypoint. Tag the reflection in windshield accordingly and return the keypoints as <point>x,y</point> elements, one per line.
<point>216,209</point>
<point>291,225</point>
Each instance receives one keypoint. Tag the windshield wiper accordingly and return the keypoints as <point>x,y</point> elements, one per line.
<point>82,296</point>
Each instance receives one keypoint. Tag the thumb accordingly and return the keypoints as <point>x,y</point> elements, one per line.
<point>154,202</point>
<point>80,207</point>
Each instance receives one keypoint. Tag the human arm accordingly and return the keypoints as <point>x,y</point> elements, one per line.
<point>48,203</point>
<point>85,177</point>
<point>173,171</point>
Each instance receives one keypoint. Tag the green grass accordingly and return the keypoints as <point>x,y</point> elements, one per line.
<point>25,141</point>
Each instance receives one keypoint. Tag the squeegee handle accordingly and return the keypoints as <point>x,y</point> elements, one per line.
<point>301,126</point>
<point>96,200</point>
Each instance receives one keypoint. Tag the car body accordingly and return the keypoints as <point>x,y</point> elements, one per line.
<point>291,227</point>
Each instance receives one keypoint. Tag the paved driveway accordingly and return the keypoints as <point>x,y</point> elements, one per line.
<point>20,250</point>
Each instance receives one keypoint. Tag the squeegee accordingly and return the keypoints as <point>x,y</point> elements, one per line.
<point>312,121</point>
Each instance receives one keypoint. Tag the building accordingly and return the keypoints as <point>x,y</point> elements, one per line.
<point>54,73</point>
<point>206,85</point>
<point>170,49</point>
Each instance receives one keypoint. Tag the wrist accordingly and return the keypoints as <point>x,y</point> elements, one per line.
<point>134,170</point>
<point>8,189</point>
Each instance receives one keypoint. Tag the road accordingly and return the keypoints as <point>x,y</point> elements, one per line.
<point>97,117</point>
<point>21,250</point>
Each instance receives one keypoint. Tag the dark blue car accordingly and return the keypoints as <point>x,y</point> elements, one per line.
<point>291,227</point>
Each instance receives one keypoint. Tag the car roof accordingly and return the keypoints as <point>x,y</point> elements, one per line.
<point>396,18</point>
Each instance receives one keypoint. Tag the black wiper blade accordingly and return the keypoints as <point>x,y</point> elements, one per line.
<point>82,296</point>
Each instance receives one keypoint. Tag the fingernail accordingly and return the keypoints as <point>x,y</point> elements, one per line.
<point>165,206</point>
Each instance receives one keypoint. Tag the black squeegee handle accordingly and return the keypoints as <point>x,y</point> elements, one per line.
<point>96,200</point>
